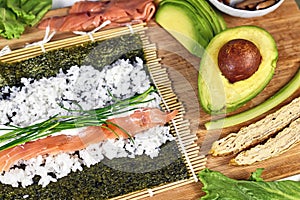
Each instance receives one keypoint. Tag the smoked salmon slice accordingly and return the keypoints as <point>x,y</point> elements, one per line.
<point>99,6</point>
<point>88,15</point>
<point>88,6</point>
<point>125,127</point>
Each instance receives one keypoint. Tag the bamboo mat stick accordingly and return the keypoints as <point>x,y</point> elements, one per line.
<point>180,127</point>
<point>25,53</point>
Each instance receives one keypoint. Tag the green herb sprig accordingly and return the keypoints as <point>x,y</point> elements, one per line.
<point>93,117</point>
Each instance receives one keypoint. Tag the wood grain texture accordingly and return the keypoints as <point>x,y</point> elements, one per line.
<point>32,34</point>
<point>283,24</point>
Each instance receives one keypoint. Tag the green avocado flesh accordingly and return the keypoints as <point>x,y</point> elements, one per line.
<point>181,24</point>
<point>290,88</point>
<point>217,95</point>
<point>193,23</point>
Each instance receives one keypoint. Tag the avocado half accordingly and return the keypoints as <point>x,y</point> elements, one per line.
<point>216,93</point>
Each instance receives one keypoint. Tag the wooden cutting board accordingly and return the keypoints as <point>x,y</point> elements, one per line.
<point>283,24</point>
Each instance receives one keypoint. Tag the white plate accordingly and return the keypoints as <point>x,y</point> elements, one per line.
<point>244,13</point>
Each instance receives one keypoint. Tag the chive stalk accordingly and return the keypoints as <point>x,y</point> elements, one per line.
<point>93,117</point>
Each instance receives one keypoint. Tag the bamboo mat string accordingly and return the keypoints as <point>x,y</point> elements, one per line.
<point>46,39</point>
<point>160,79</point>
<point>5,50</point>
<point>90,33</point>
<point>151,193</point>
<point>130,28</point>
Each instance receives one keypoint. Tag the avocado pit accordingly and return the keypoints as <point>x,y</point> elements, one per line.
<point>238,59</point>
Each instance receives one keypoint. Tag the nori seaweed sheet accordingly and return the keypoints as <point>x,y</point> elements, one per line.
<point>109,178</point>
<point>97,54</point>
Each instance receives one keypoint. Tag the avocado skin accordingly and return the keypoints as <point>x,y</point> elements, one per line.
<point>216,94</point>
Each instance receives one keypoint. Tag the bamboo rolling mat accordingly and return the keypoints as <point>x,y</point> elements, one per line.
<point>180,127</point>
<point>283,24</point>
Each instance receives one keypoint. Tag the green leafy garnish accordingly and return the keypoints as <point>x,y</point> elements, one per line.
<point>218,186</point>
<point>10,27</point>
<point>256,176</point>
<point>15,15</point>
<point>94,117</point>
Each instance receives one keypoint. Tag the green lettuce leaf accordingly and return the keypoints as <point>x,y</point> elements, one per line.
<point>37,8</point>
<point>22,15</point>
<point>256,176</point>
<point>17,14</point>
<point>218,186</point>
<point>10,27</point>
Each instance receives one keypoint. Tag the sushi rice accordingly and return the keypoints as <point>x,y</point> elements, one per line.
<point>38,100</point>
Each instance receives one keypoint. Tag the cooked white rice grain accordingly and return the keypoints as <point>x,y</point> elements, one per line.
<point>60,165</point>
<point>85,85</point>
<point>38,100</point>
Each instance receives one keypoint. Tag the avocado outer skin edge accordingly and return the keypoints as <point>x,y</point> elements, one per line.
<point>216,94</point>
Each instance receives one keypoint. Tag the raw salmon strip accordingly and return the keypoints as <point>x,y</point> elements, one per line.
<point>136,122</point>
